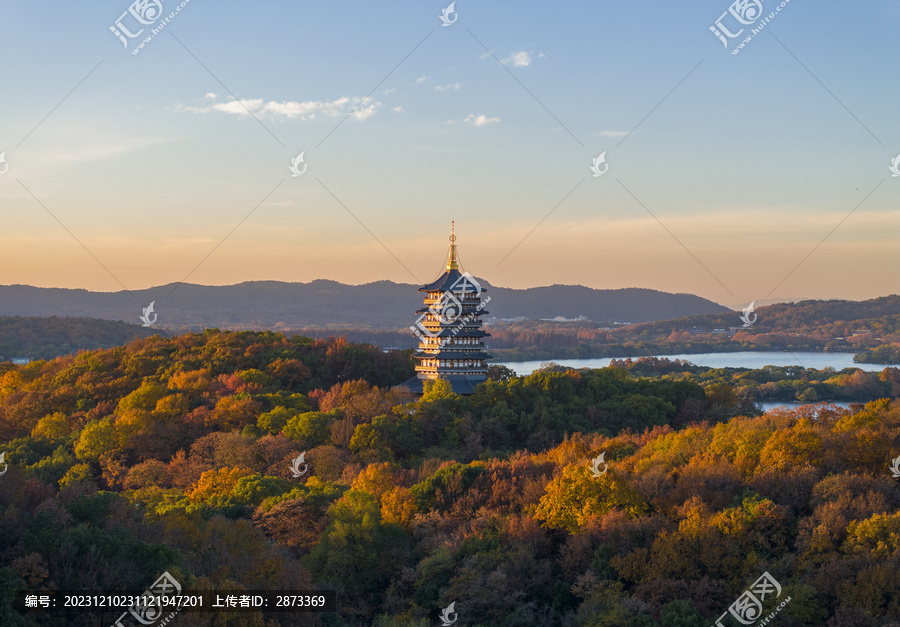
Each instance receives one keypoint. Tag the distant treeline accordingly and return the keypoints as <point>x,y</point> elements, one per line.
<point>871,328</point>
<point>884,354</point>
<point>772,383</point>
<point>46,338</point>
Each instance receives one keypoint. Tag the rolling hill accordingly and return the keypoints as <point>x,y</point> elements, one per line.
<point>323,303</point>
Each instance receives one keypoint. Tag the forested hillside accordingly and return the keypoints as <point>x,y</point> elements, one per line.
<point>175,454</point>
<point>870,328</point>
<point>46,338</point>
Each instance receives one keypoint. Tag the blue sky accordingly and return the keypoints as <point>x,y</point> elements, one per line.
<point>725,170</point>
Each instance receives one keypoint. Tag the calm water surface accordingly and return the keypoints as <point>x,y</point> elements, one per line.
<point>744,359</point>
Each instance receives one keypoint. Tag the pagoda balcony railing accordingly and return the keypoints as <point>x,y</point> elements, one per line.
<point>451,322</point>
<point>472,373</point>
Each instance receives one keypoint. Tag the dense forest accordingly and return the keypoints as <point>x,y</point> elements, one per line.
<point>174,454</point>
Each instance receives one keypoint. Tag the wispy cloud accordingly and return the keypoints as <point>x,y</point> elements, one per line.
<point>421,79</point>
<point>614,133</point>
<point>76,147</point>
<point>399,109</point>
<point>453,86</point>
<point>358,108</point>
<point>518,59</point>
<point>480,119</point>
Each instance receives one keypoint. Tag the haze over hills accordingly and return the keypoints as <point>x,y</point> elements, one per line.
<point>324,303</point>
<point>806,316</point>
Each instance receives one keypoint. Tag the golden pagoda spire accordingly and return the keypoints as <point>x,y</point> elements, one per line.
<point>453,262</point>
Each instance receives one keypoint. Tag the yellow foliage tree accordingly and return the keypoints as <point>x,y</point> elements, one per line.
<point>878,536</point>
<point>53,426</point>
<point>96,438</point>
<point>435,389</point>
<point>194,382</point>
<point>214,485</point>
<point>398,506</point>
<point>376,479</point>
<point>577,495</point>
<point>794,448</point>
<point>741,440</point>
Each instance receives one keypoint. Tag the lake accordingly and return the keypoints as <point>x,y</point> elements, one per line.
<point>742,359</point>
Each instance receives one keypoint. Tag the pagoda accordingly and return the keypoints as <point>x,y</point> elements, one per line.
<point>451,340</point>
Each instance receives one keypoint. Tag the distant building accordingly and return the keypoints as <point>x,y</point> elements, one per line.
<point>449,328</point>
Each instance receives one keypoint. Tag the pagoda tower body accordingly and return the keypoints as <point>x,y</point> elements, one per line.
<point>451,340</point>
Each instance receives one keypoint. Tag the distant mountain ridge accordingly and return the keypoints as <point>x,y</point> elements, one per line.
<point>325,303</point>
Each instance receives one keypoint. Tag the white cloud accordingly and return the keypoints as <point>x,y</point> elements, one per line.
<point>210,96</point>
<point>421,80</point>
<point>358,108</point>
<point>614,133</point>
<point>453,86</point>
<point>519,59</point>
<point>480,119</point>
<point>399,110</point>
<point>390,90</point>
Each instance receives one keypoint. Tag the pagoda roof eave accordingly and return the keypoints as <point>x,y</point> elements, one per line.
<point>446,281</point>
<point>451,355</point>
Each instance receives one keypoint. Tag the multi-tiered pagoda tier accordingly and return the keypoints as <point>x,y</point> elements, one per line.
<point>451,340</point>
